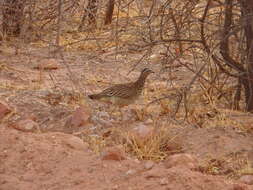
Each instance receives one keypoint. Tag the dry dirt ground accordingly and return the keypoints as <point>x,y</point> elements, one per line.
<point>56,156</point>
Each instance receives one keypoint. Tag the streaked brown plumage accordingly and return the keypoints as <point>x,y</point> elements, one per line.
<point>123,94</point>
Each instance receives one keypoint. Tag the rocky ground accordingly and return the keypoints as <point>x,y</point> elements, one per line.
<point>53,137</point>
<point>61,161</point>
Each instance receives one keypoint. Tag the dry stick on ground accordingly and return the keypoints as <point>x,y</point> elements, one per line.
<point>53,80</point>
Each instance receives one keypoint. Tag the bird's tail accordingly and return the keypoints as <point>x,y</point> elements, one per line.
<point>94,96</point>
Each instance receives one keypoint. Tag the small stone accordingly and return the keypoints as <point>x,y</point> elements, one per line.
<point>247,179</point>
<point>131,172</point>
<point>26,125</point>
<point>185,160</point>
<point>129,115</point>
<point>4,110</point>
<point>149,165</point>
<point>81,117</point>
<point>100,121</point>
<point>104,115</point>
<point>149,121</point>
<point>142,132</point>
<point>115,187</point>
<point>156,172</point>
<point>75,143</point>
<point>30,116</point>
<point>164,181</point>
<point>113,153</point>
<point>137,161</point>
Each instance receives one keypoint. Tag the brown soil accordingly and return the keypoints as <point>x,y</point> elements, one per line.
<point>49,158</point>
<point>50,161</point>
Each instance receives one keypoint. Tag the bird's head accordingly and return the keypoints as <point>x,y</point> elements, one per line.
<point>146,72</point>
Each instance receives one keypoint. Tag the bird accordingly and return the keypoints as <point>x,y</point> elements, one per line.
<point>123,94</point>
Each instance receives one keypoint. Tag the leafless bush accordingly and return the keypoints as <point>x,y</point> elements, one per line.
<point>210,39</point>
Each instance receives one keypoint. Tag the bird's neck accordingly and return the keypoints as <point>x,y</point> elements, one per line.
<point>141,81</point>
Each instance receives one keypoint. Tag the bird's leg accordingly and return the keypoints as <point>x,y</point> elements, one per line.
<point>110,109</point>
<point>121,114</point>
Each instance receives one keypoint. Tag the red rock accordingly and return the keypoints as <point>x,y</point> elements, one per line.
<point>131,172</point>
<point>239,187</point>
<point>149,165</point>
<point>164,181</point>
<point>142,132</point>
<point>80,117</point>
<point>26,125</point>
<point>75,143</point>
<point>247,179</point>
<point>149,121</point>
<point>181,178</point>
<point>184,160</point>
<point>48,64</point>
<point>30,116</point>
<point>113,153</point>
<point>4,110</point>
<point>156,172</point>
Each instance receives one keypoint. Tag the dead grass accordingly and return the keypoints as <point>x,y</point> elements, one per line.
<point>232,166</point>
<point>247,169</point>
<point>96,143</point>
<point>155,147</point>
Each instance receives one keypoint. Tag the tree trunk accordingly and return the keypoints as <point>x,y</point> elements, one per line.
<point>248,86</point>
<point>247,78</point>
<point>12,17</point>
<point>109,12</point>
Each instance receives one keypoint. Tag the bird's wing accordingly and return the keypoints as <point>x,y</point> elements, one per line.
<point>119,90</point>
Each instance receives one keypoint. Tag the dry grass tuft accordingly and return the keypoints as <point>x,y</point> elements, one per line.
<point>155,147</point>
<point>247,171</point>
<point>232,166</point>
<point>96,143</point>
